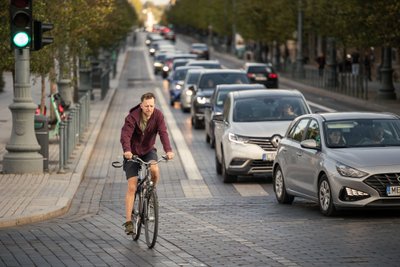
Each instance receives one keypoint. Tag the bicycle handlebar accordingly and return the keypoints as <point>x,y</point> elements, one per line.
<point>135,158</point>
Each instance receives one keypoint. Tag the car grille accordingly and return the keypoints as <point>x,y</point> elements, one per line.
<point>380,181</point>
<point>258,166</point>
<point>264,143</point>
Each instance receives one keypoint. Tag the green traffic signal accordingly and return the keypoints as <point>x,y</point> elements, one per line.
<point>21,39</point>
<point>21,23</point>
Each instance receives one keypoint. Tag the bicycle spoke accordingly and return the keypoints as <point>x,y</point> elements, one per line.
<point>151,218</point>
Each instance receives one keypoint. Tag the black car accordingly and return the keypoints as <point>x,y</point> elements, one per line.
<point>201,50</point>
<point>262,73</point>
<point>215,107</point>
<point>208,81</point>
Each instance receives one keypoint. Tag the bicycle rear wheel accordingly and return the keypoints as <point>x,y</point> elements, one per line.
<point>136,218</point>
<point>151,218</point>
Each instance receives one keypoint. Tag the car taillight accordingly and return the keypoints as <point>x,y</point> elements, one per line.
<point>251,75</point>
<point>272,75</point>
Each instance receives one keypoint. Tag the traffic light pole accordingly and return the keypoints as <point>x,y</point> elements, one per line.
<point>23,149</point>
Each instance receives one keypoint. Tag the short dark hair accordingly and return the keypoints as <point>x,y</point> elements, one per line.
<point>147,96</point>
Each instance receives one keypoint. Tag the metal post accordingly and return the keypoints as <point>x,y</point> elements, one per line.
<point>387,90</point>
<point>299,58</point>
<point>61,152</point>
<point>23,149</point>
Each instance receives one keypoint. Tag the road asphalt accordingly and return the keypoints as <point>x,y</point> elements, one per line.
<point>28,198</point>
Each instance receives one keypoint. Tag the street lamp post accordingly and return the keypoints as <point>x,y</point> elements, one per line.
<point>387,91</point>
<point>299,58</point>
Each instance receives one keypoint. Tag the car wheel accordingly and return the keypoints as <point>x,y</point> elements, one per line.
<point>196,123</point>
<point>212,142</point>
<point>218,166</point>
<point>207,137</point>
<point>325,200</point>
<point>280,189</point>
<point>227,177</point>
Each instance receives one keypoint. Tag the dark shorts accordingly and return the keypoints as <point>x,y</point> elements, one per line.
<point>132,168</point>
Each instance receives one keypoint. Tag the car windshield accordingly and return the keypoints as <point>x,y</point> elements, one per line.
<point>268,108</point>
<point>362,133</point>
<point>179,75</point>
<point>193,77</point>
<point>211,80</point>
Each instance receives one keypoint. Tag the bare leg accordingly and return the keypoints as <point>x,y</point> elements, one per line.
<point>130,197</point>
<point>155,173</point>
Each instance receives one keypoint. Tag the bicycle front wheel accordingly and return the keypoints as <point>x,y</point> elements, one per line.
<point>136,218</point>
<point>151,218</point>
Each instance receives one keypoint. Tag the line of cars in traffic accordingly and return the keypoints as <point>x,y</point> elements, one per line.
<point>338,160</point>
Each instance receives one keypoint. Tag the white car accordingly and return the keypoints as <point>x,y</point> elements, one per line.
<point>248,132</point>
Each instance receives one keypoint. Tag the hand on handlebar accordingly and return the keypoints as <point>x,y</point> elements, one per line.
<point>170,155</point>
<point>128,155</point>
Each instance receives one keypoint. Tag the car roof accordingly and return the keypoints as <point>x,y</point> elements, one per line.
<point>331,116</point>
<point>208,71</point>
<point>196,70</point>
<point>263,92</point>
<point>188,68</point>
<point>228,87</point>
<point>199,44</point>
<point>256,64</point>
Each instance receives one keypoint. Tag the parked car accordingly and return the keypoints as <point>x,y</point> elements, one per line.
<point>262,73</point>
<point>201,50</point>
<point>340,160</point>
<point>217,103</point>
<point>191,79</point>
<point>202,91</point>
<point>175,82</point>
<point>207,64</point>
<point>250,128</point>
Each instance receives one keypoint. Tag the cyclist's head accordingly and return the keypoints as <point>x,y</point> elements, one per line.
<point>148,104</point>
<point>147,96</point>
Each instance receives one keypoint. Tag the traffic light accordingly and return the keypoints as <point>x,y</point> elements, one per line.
<point>38,39</point>
<point>21,23</point>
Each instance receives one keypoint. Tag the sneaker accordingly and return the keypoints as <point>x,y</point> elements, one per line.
<point>128,228</point>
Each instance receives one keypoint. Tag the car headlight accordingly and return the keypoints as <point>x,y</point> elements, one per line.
<point>189,92</point>
<point>201,100</point>
<point>178,87</point>
<point>237,138</point>
<point>348,171</point>
<point>157,64</point>
<point>165,68</point>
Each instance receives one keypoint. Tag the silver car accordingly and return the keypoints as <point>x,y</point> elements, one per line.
<point>340,160</point>
<point>248,132</point>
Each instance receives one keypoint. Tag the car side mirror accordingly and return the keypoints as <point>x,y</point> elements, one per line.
<point>309,143</point>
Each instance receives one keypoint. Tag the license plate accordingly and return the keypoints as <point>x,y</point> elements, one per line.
<point>393,190</point>
<point>261,78</point>
<point>268,156</point>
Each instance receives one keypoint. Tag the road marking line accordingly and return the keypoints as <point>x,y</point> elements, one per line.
<point>250,190</point>
<point>187,159</point>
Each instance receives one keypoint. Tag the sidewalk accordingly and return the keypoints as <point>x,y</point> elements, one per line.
<point>28,198</point>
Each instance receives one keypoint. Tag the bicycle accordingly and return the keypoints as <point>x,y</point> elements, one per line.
<point>145,209</point>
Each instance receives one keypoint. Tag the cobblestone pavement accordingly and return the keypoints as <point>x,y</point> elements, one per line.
<point>224,226</point>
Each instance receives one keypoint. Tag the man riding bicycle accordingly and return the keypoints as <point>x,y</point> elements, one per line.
<point>138,137</point>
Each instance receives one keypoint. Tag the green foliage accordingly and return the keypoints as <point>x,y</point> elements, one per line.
<point>357,23</point>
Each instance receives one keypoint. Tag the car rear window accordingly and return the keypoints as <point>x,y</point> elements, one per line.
<point>260,69</point>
